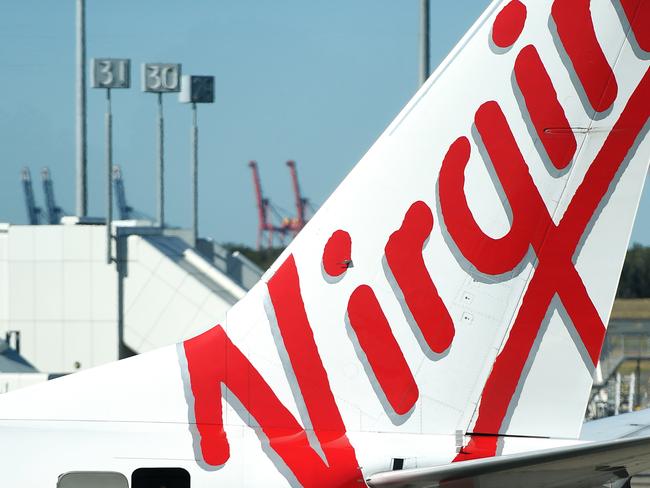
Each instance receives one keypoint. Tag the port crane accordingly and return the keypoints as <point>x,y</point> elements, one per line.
<point>125,211</point>
<point>54,212</point>
<point>267,230</point>
<point>33,212</point>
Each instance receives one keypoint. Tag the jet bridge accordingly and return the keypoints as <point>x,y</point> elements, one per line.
<point>58,291</point>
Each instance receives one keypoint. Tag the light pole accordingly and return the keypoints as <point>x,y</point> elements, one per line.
<point>424,41</point>
<point>80,119</point>
<point>110,73</point>
<point>108,118</point>
<point>196,89</point>
<point>161,78</point>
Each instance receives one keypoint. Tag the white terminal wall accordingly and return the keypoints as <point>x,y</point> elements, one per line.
<point>14,381</point>
<point>58,291</point>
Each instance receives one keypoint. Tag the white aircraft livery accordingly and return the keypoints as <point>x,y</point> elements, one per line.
<point>438,321</point>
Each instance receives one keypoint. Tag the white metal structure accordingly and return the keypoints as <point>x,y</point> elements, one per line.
<point>58,291</point>
<point>436,323</point>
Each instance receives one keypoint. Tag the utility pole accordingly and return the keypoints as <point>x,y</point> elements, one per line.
<point>110,73</point>
<point>161,78</point>
<point>424,41</point>
<point>108,124</point>
<point>195,175</point>
<point>196,89</point>
<point>81,163</point>
<point>160,194</point>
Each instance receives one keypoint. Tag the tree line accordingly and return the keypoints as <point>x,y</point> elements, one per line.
<point>635,277</point>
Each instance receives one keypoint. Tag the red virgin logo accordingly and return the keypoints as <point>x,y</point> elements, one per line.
<point>217,367</point>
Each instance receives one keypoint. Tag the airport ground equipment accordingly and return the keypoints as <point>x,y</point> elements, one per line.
<point>33,212</point>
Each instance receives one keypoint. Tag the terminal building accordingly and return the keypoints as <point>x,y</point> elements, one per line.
<point>63,308</point>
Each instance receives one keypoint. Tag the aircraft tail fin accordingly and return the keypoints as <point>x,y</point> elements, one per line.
<point>461,277</point>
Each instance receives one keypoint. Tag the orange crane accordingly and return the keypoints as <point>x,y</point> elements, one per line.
<point>265,210</point>
<point>301,203</point>
<point>264,224</point>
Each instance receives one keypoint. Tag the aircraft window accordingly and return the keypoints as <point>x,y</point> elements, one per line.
<point>160,478</point>
<point>92,479</point>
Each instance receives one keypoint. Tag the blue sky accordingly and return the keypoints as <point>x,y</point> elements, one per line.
<point>312,81</point>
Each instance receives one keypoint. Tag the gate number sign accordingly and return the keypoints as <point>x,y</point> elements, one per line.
<point>197,89</point>
<point>111,73</point>
<point>161,77</point>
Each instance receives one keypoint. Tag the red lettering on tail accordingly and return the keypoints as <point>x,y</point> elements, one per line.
<point>213,360</point>
<point>555,246</point>
<point>337,253</point>
<point>576,30</point>
<point>508,24</point>
<point>404,257</point>
<point>382,350</point>
<point>545,111</point>
<point>638,15</point>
